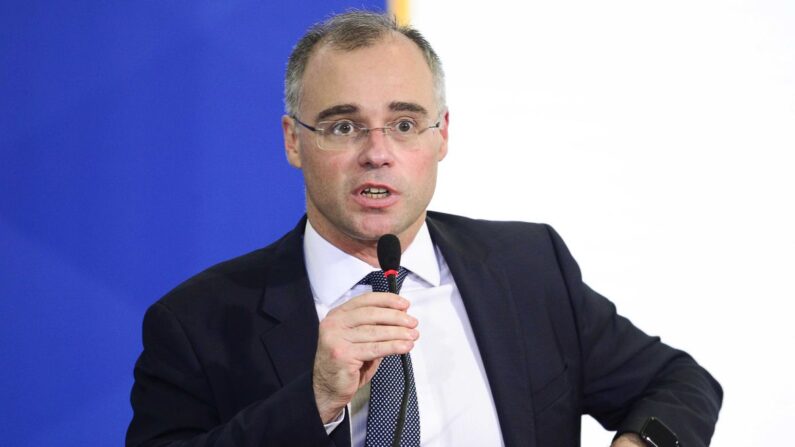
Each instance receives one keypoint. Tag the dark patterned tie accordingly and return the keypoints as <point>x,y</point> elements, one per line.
<point>386,388</point>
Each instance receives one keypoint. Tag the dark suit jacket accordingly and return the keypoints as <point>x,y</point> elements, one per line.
<point>228,354</point>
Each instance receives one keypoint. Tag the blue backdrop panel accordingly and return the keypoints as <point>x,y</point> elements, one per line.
<point>140,144</point>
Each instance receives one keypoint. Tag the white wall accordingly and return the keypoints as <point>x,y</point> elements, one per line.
<point>657,138</point>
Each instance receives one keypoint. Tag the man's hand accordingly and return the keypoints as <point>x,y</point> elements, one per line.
<point>353,339</point>
<point>629,440</point>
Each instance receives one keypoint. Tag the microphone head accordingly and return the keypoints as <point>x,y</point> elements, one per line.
<point>389,252</point>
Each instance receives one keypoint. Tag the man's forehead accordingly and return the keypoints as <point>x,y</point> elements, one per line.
<point>384,48</point>
<point>389,75</point>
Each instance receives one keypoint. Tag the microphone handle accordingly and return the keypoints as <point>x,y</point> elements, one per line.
<point>404,402</point>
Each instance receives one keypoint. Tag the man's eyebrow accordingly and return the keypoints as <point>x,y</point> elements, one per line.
<point>398,106</point>
<point>341,109</point>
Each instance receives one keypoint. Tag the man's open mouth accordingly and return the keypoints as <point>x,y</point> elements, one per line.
<point>375,193</point>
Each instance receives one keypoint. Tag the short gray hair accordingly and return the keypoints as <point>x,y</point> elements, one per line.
<point>347,32</point>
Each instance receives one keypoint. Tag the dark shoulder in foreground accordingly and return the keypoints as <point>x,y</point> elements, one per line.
<point>489,234</point>
<point>239,278</point>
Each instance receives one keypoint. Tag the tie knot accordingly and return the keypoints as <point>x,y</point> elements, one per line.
<point>378,282</point>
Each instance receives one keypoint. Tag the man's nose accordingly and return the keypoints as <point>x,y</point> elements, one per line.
<point>377,149</point>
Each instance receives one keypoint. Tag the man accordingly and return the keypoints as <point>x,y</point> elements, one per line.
<point>289,346</point>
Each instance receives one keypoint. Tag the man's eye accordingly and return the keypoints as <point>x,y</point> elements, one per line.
<point>405,126</point>
<point>343,128</point>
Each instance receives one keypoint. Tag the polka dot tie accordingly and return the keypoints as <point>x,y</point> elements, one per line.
<point>386,388</point>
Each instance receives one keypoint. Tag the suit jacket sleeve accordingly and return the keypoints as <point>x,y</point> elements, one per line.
<point>174,406</point>
<point>628,376</point>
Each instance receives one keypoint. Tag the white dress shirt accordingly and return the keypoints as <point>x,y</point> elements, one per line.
<point>453,394</point>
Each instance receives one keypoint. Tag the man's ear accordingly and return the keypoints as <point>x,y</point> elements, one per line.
<point>443,130</point>
<point>291,142</point>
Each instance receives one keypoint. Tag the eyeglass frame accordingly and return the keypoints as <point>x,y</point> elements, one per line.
<point>386,129</point>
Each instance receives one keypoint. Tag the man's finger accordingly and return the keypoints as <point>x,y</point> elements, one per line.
<point>372,351</point>
<point>364,316</point>
<point>375,333</point>
<point>376,299</point>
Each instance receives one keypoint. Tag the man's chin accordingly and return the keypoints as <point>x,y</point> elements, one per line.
<point>372,234</point>
<point>373,227</point>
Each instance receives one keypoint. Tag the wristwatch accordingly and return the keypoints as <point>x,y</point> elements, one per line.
<point>657,434</point>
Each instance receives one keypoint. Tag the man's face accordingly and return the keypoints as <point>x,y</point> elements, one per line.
<point>372,86</point>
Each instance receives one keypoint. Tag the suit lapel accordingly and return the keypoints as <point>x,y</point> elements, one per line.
<point>287,301</point>
<point>490,308</point>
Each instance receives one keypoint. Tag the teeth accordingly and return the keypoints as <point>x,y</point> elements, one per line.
<point>375,193</point>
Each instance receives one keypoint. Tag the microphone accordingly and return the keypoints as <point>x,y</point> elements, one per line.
<point>389,259</point>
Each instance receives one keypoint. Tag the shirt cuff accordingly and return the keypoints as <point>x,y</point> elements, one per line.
<point>331,426</point>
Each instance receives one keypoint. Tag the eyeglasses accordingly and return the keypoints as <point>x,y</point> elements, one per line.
<point>344,134</point>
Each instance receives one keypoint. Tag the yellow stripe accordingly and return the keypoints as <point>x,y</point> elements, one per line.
<point>400,9</point>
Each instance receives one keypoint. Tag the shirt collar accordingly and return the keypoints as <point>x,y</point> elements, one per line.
<point>333,272</point>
